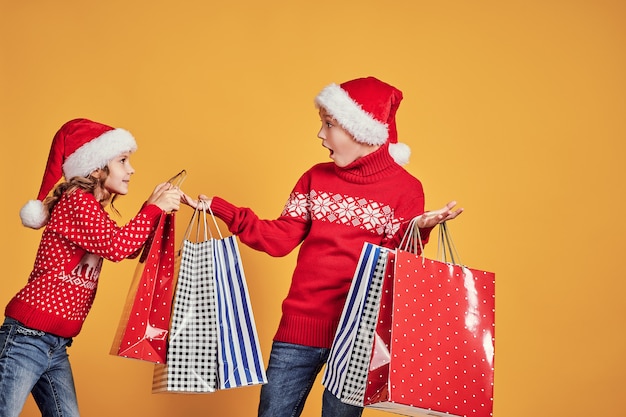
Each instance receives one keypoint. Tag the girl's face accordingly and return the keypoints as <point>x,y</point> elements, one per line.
<point>344,149</point>
<point>120,171</point>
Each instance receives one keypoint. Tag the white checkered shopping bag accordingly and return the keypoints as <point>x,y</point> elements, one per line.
<point>191,364</point>
<point>213,341</point>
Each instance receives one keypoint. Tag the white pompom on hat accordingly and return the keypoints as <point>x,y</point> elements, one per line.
<point>80,147</point>
<point>366,108</point>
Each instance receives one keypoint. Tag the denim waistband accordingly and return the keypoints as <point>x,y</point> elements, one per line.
<point>22,329</point>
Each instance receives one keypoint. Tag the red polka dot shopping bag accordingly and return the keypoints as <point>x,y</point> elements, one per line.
<point>416,336</point>
<point>434,345</point>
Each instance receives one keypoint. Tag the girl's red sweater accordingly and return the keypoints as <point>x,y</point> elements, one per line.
<point>331,212</point>
<point>63,283</point>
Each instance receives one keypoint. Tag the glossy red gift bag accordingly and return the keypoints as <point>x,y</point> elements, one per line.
<point>143,329</point>
<point>434,352</point>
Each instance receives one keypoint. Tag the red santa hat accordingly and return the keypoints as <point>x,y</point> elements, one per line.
<point>80,147</point>
<point>366,108</point>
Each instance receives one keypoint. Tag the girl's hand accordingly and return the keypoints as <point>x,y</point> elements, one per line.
<point>433,218</point>
<point>166,197</point>
<point>202,201</point>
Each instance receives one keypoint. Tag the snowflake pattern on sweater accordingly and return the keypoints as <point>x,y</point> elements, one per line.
<point>346,210</point>
<point>330,213</point>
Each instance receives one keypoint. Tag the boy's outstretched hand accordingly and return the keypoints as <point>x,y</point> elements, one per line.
<point>202,199</point>
<point>433,218</point>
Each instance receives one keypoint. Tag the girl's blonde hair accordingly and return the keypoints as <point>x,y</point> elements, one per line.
<point>90,184</point>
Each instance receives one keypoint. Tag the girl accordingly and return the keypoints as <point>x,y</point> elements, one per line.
<point>44,316</point>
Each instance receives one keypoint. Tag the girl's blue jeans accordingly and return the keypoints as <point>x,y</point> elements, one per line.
<point>37,362</point>
<point>291,372</point>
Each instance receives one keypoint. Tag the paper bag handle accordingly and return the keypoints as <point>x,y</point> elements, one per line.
<point>196,218</point>
<point>446,247</point>
<point>411,240</point>
<point>177,180</point>
<point>202,207</point>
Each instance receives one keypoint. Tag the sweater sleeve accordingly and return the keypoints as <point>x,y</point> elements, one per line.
<point>408,211</point>
<point>275,237</point>
<point>80,219</point>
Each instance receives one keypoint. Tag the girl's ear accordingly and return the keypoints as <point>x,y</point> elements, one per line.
<point>97,173</point>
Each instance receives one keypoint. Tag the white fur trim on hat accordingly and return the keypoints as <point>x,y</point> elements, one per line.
<point>351,116</point>
<point>98,152</point>
<point>400,152</point>
<point>34,214</point>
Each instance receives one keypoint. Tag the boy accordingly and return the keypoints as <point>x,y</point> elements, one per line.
<point>363,195</point>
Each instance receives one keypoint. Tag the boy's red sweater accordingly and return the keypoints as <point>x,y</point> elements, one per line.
<point>63,283</point>
<point>331,212</point>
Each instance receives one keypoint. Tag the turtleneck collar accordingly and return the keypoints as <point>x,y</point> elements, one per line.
<point>369,168</point>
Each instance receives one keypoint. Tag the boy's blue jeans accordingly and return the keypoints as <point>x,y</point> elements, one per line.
<point>291,372</point>
<point>37,362</point>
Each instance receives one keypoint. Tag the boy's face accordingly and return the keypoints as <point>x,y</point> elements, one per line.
<point>344,149</point>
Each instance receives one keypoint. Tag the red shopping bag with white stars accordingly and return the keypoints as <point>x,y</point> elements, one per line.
<point>143,329</point>
<point>434,346</point>
<point>144,326</point>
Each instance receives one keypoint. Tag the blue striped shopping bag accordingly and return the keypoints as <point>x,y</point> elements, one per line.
<point>239,355</point>
<point>213,341</point>
<point>347,366</point>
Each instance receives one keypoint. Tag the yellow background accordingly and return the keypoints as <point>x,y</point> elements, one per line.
<point>514,108</point>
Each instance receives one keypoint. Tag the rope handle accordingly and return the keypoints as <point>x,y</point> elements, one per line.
<point>446,251</point>
<point>178,179</point>
<point>411,240</point>
<point>445,246</point>
<point>219,232</point>
<point>202,207</point>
